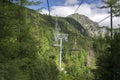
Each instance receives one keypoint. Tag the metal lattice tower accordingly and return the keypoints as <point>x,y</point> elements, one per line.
<point>59,37</point>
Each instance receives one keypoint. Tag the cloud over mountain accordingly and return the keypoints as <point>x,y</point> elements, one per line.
<point>89,10</point>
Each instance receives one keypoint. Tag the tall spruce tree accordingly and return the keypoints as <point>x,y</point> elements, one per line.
<point>25,2</point>
<point>108,62</point>
<point>115,4</point>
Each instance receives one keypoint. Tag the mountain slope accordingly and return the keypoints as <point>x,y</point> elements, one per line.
<point>91,27</point>
<point>26,51</point>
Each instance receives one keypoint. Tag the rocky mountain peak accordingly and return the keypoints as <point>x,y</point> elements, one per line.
<point>91,27</point>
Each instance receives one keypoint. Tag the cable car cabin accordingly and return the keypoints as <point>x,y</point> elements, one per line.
<point>74,49</point>
<point>55,45</point>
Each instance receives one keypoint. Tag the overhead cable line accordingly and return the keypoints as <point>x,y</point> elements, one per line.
<point>48,6</point>
<point>79,6</point>
<point>103,19</point>
<point>50,19</point>
<point>106,18</point>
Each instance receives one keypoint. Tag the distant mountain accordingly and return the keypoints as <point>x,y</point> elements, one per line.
<point>27,50</point>
<point>92,28</point>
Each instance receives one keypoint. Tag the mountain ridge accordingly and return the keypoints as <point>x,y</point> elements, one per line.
<point>91,27</point>
<point>26,52</point>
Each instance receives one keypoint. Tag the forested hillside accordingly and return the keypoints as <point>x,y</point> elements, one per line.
<point>92,28</point>
<point>26,51</point>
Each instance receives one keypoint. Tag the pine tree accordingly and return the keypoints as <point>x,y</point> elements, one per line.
<point>108,62</point>
<point>25,2</point>
<point>115,4</point>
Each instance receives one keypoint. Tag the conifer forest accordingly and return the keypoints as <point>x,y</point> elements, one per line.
<point>43,46</point>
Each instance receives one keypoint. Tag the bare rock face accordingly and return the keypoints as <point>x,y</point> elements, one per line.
<point>92,28</point>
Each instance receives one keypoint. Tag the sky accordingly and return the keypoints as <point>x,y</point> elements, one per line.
<point>89,8</point>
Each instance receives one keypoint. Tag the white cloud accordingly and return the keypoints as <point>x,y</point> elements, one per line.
<point>89,10</point>
<point>44,11</point>
<point>61,11</point>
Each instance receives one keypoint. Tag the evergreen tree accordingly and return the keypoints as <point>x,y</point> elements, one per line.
<point>25,2</point>
<point>116,9</point>
<point>115,4</point>
<point>108,62</point>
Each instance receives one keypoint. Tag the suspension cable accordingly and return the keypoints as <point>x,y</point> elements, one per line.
<point>79,6</point>
<point>48,6</point>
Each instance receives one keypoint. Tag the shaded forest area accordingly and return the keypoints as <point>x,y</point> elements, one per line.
<point>26,51</point>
